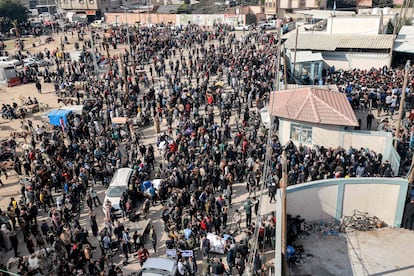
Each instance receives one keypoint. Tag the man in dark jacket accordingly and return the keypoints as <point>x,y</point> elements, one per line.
<point>408,220</point>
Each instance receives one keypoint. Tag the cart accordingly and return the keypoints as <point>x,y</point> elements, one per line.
<point>33,108</point>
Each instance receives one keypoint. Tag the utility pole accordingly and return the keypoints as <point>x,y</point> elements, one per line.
<point>285,72</point>
<point>127,26</point>
<point>282,186</point>
<point>62,48</point>
<point>277,5</point>
<point>401,111</point>
<point>95,64</point>
<point>52,22</point>
<point>296,50</point>
<point>279,36</point>
<point>107,53</point>
<point>124,74</point>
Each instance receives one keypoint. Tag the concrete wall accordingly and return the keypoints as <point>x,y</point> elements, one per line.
<point>347,61</point>
<point>349,25</point>
<point>329,136</point>
<point>177,19</point>
<point>200,19</point>
<point>334,198</point>
<point>314,203</point>
<point>378,140</point>
<point>143,18</point>
<point>326,135</point>
<point>334,136</point>
<point>370,198</point>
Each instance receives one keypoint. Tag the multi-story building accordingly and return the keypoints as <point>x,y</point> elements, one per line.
<point>95,9</point>
<point>281,7</point>
<point>90,9</point>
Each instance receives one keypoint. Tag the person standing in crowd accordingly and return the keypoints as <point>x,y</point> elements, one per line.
<point>272,192</point>
<point>14,242</point>
<point>143,255</point>
<point>153,235</point>
<point>93,223</point>
<point>125,245</point>
<point>38,87</point>
<point>237,220</point>
<point>181,267</point>
<point>370,118</point>
<point>30,244</point>
<point>203,153</point>
<point>408,220</point>
<point>95,197</point>
<point>248,210</point>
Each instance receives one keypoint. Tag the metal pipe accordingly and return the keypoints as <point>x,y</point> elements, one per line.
<point>284,213</point>
<point>402,103</point>
<point>296,50</point>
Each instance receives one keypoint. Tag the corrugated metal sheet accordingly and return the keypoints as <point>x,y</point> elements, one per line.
<point>307,56</point>
<point>405,40</point>
<point>366,42</point>
<point>325,42</point>
<point>312,42</point>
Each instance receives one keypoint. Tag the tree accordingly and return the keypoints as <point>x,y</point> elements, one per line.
<point>13,10</point>
<point>382,3</point>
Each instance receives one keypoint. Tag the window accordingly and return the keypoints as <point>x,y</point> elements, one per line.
<point>81,1</point>
<point>91,1</point>
<point>301,133</point>
<point>65,1</point>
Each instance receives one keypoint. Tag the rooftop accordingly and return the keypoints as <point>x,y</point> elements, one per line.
<point>313,105</point>
<point>327,42</point>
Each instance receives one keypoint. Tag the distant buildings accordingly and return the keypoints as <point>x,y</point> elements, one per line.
<point>289,6</point>
<point>343,40</point>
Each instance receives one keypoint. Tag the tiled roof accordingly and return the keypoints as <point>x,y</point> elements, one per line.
<point>313,105</point>
<point>327,42</point>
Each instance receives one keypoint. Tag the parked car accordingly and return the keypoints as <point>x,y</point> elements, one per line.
<point>119,184</point>
<point>97,24</point>
<point>241,27</point>
<point>267,26</point>
<point>9,61</point>
<point>158,266</point>
<point>31,61</point>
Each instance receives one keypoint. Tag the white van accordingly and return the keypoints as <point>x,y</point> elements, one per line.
<point>119,184</point>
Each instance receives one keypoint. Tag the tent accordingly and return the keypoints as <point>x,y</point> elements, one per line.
<point>55,114</point>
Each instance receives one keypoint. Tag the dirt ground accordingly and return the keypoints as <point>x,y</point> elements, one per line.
<point>384,251</point>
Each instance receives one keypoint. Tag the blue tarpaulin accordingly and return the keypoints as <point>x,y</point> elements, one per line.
<point>55,115</point>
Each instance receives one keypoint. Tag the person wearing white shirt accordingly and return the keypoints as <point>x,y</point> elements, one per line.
<point>181,267</point>
<point>33,262</point>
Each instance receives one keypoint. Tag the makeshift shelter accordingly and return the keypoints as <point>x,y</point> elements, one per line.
<point>55,115</point>
<point>8,75</point>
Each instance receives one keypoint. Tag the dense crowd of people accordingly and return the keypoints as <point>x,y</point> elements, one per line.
<point>202,89</point>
